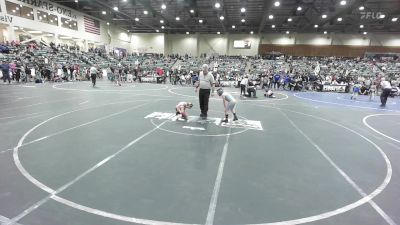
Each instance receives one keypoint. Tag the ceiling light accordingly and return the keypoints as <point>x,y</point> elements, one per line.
<point>76,1</point>
<point>104,12</point>
<point>161,21</point>
<point>108,23</point>
<point>18,9</point>
<point>162,27</point>
<point>115,8</point>
<point>271,17</point>
<point>157,31</point>
<point>64,37</point>
<point>163,6</point>
<point>243,20</point>
<point>343,2</point>
<point>324,16</point>
<point>233,26</point>
<point>289,19</point>
<point>13,11</point>
<point>187,32</point>
<point>394,19</point>
<point>35,32</point>
<point>365,33</point>
<point>217,5</point>
<point>299,8</point>
<point>277,3</point>
<point>251,32</point>
<point>145,12</point>
<point>218,32</point>
<point>28,14</point>
<point>325,32</point>
<point>45,16</point>
<point>287,32</point>
<point>191,11</point>
<point>316,26</point>
<point>340,19</point>
<point>273,26</point>
<point>136,19</point>
<point>243,10</point>
<point>382,16</point>
<point>361,8</point>
<point>221,17</point>
<point>177,18</point>
<point>361,26</point>
<point>200,21</point>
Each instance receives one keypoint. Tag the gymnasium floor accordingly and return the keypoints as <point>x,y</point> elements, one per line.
<point>71,154</point>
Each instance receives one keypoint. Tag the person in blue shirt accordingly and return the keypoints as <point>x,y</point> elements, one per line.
<point>287,81</point>
<point>5,68</point>
<point>277,78</point>
<point>356,91</point>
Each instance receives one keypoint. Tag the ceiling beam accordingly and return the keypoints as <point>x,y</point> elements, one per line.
<point>345,10</point>
<point>146,4</point>
<point>224,15</point>
<point>132,20</point>
<point>264,17</point>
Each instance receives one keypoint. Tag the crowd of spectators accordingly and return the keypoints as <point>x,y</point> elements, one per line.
<point>39,62</point>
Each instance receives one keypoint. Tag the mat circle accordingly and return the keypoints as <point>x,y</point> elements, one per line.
<point>201,135</point>
<point>365,121</point>
<point>99,212</point>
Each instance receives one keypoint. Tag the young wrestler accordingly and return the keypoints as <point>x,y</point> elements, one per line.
<point>356,90</point>
<point>372,92</point>
<point>229,104</point>
<point>181,109</point>
<point>269,94</point>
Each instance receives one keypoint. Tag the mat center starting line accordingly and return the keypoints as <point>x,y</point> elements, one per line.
<point>243,124</point>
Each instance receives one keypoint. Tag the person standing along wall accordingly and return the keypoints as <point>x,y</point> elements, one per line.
<point>205,83</point>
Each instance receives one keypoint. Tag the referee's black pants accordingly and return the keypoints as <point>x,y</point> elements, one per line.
<point>204,96</point>
<point>242,89</point>
<point>384,96</point>
<point>93,76</point>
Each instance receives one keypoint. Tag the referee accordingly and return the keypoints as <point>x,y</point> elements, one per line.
<point>386,89</point>
<point>206,83</point>
<point>93,75</point>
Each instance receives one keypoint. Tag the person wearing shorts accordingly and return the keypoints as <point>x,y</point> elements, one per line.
<point>229,104</point>
<point>356,91</point>
<point>269,94</point>
<point>372,92</point>
<point>181,109</point>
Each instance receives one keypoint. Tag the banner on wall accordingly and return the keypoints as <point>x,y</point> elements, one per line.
<point>6,18</point>
<point>51,7</point>
<point>246,44</point>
